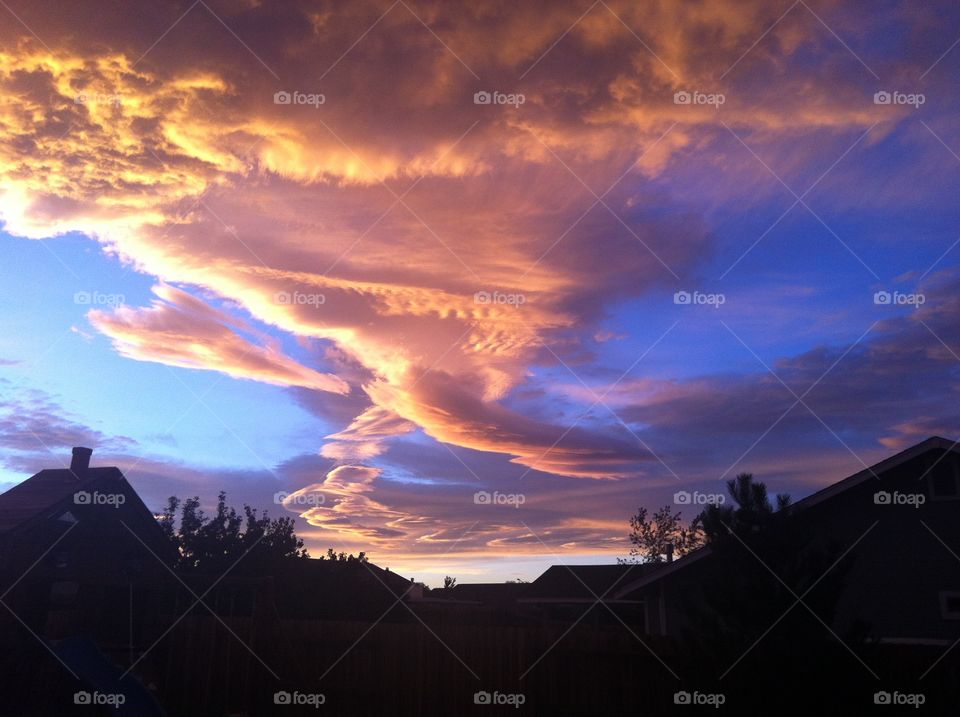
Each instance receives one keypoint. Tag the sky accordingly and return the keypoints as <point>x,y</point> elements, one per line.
<point>464,285</point>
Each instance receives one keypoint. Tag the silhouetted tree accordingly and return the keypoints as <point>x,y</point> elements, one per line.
<point>653,537</point>
<point>448,582</point>
<point>342,557</point>
<point>216,543</point>
<point>744,605</point>
<point>751,513</point>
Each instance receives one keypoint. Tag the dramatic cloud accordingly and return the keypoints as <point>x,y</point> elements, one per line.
<point>180,330</point>
<point>328,174</point>
<point>364,437</point>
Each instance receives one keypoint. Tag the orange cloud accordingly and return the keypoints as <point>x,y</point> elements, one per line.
<point>180,330</point>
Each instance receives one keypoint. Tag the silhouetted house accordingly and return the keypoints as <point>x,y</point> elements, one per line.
<point>75,544</point>
<point>900,521</point>
<point>490,594</point>
<point>561,592</point>
<point>338,589</point>
<point>565,592</point>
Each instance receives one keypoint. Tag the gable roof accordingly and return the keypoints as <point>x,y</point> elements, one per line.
<point>486,593</point>
<point>50,494</point>
<point>832,490</point>
<point>579,583</point>
<point>342,574</point>
<point>46,490</point>
<point>315,588</point>
<point>908,454</point>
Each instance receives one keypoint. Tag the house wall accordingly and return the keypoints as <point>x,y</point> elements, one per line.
<point>81,580</point>
<point>672,600</point>
<point>900,566</point>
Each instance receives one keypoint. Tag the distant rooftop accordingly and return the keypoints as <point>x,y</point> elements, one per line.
<point>584,582</point>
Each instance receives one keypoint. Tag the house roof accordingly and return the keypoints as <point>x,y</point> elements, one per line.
<point>932,443</point>
<point>558,583</point>
<point>577,583</point>
<point>832,490</point>
<point>661,570</point>
<point>315,588</point>
<point>45,490</point>
<point>488,593</point>
<point>338,574</point>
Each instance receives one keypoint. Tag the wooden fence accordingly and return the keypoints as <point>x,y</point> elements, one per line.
<point>413,669</point>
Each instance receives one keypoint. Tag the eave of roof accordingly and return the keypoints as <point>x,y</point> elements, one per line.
<point>871,472</point>
<point>663,571</point>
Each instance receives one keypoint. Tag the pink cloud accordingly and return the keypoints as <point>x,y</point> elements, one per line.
<point>180,330</point>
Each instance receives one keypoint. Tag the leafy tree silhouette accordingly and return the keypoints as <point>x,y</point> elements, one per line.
<point>653,537</point>
<point>215,543</point>
<point>341,557</point>
<point>744,619</point>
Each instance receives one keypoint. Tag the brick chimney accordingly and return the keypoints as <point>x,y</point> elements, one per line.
<point>669,552</point>
<point>80,461</point>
